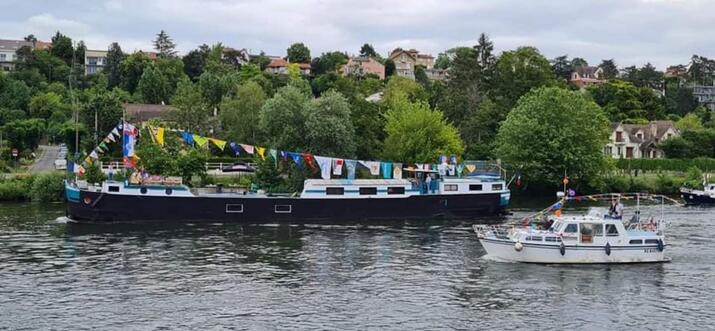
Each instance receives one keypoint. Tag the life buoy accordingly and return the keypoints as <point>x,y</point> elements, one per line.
<point>661,246</point>
<point>518,246</point>
<point>608,249</point>
<point>562,249</point>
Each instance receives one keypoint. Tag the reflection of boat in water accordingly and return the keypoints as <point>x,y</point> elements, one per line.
<point>698,197</point>
<point>592,238</point>
<point>322,200</point>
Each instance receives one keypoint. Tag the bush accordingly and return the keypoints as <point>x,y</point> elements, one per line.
<point>47,187</point>
<point>706,164</point>
<point>14,190</point>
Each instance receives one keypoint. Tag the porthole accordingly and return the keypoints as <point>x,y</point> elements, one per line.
<point>168,191</point>
<point>143,190</point>
<point>87,200</point>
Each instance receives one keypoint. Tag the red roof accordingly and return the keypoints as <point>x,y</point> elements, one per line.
<point>280,63</point>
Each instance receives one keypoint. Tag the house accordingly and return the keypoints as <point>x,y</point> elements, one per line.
<point>94,61</point>
<point>280,66</point>
<point>8,49</point>
<point>636,141</point>
<point>141,112</point>
<point>436,74</point>
<point>584,76</point>
<point>363,65</point>
<point>705,95</point>
<point>406,61</point>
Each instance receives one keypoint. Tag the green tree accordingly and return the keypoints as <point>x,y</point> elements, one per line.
<point>328,62</point>
<point>261,60</point>
<point>579,62</point>
<point>62,47</point>
<point>404,86</point>
<point>132,70</point>
<point>421,76</point>
<point>113,68</point>
<point>464,89</point>
<point>43,105</point>
<point>517,72</point>
<point>282,119</point>
<point>676,148</point>
<point>689,122</point>
<point>298,53</point>
<point>562,67</point>
<point>191,112</point>
<point>622,100</point>
<point>164,45</point>
<point>328,129</point>
<point>240,115</point>
<point>195,61</point>
<point>552,131</point>
<point>153,86</point>
<point>14,94</point>
<point>369,124</point>
<point>218,81</point>
<point>680,100</point>
<point>389,68</point>
<point>368,50</point>
<point>24,134</point>
<point>106,107</point>
<point>416,133</point>
<point>610,69</point>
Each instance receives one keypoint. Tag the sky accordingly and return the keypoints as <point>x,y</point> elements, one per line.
<point>633,32</point>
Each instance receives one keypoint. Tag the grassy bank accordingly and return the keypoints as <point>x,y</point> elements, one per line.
<point>43,187</point>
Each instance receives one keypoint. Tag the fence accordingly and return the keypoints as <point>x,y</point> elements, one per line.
<point>212,168</point>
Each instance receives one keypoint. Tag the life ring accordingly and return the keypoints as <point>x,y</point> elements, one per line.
<point>661,246</point>
<point>562,249</point>
<point>608,249</point>
<point>518,246</point>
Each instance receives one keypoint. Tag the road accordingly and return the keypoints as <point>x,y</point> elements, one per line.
<point>46,162</point>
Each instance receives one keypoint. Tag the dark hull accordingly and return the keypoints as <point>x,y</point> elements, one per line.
<point>94,207</point>
<point>696,199</point>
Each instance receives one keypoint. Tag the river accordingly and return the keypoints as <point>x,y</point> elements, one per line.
<point>401,276</point>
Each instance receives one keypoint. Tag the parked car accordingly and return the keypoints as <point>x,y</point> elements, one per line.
<point>239,167</point>
<point>60,164</point>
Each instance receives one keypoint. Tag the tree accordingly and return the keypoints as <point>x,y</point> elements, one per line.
<point>113,68</point>
<point>261,60</point>
<point>485,58</point>
<point>328,129</point>
<point>233,57</point>
<point>132,70</point>
<point>31,38</point>
<point>416,133</point>
<point>240,115</point>
<point>282,119</point>
<point>62,48</point>
<point>368,121</point>
<point>421,76</point>
<point>43,105</point>
<point>298,53</point>
<point>553,131</point>
<point>218,81</point>
<point>106,106</point>
<point>680,100</point>
<point>24,134</point>
<point>79,53</point>
<point>191,112</point>
<point>164,45</point>
<point>389,68</point>
<point>367,50</point>
<point>443,61</point>
<point>610,69</point>
<point>397,85</point>
<point>195,61</point>
<point>675,148</point>
<point>517,72</point>
<point>14,94</point>
<point>702,70</point>
<point>689,122</point>
<point>328,62</point>
<point>562,67</point>
<point>622,100</point>
<point>154,86</point>
<point>579,62</point>
<point>463,91</point>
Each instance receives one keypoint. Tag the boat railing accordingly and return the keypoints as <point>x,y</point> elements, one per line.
<point>500,231</point>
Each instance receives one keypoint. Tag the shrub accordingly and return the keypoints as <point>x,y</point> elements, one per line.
<point>14,190</point>
<point>47,187</point>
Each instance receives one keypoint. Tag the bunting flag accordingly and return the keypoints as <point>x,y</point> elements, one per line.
<point>452,169</point>
<point>261,151</point>
<point>88,160</point>
<point>115,132</point>
<point>103,146</point>
<point>129,162</point>
<point>221,144</point>
<point>94,155</point>
<point>273,153</point>
<point>236,148</point>
<point>397,170</point>
<point>325,164</point>
<point>471,168</point>
<point>374,167</point>
<point>160,136</point>
<point>188,137</point>
<point>460,169</point>
<point>338,166</point>
<point>309,160</point>
<point>284,155</point>
<point>111,137</point>
<point>248,148</point>
<point>297,158</point>
<point>201,141</point>
<point>78,169</point>
<point>351,165</point>
<point>130,138</point>
<point>386,169</point>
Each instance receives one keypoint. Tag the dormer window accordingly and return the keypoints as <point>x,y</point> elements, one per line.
<point>619,136</point>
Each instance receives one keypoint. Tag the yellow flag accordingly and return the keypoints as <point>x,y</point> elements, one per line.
<point>261,152</point>
<point>199,140</point>
<point>160,136</point>
<point>221,144</point>
<point>471,167</point>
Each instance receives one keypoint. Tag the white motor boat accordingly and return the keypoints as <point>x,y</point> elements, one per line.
<point>592,238</point>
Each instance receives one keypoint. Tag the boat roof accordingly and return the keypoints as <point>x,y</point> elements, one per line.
<point>348,182</point>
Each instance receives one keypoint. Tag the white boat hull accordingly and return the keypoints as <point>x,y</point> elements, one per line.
<point>503,249</point>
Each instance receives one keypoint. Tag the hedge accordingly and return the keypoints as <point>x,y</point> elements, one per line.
<point>704,164</point>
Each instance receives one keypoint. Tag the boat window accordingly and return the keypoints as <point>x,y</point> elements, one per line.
<point>651,241</point>
<point>143,190</point>
<point>636,242</point>
<point>169,191</point>
<point>368,190</point>
<point>552,239</point>
<point>283,209</point>
<point>234,208</point>
<point>114,189</point>
<point>334,190</point>
<point>571,228</point>
<point>534,238</point>
<point>497,187</point>
<point>475,187</point>
<point>597,230</point>
<point>396,190</point>
<point>611,230</point>
<point>451,187</point>
<point>587,230</point>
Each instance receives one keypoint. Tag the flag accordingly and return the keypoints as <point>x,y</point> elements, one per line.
<point>325,164</point>
<point>460,169</point>
<point>115,132</point>
<point>284,155</point>
<point>111,137</point>
<point>88,160</point>
<point>471,168</point>
<point>236,148</point>
<point>261,151</point>
<point>373,166</point>
<point>160,136</point>
<point>338,167</point>
<point>386,169</point>
<point>518,180</point>
<point>70,166</point>
<point>351,165</point>
<point>274,154</point>
<point>452,169</point>
<point>221,144</point>
<point>297,158</point>
<point>201,141</point>
<point>397,170</point>
<point>79,170</point>
<point>309,160</point>
<point>129,162</point>
<point>188,137</point>
<point>248,148</point>
<point>130,136</point>
<point>94,155</point>
<point>103,146</point>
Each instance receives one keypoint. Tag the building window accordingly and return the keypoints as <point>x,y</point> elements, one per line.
<point>451,187</point>
<point>334,190</point>
<point>619,136</point>
<point>368,191</point>
<point>475,187</point>
<point>396,190</point>
<point>3,57</point>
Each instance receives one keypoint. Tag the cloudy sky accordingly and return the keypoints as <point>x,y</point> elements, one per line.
<point>662,32</point>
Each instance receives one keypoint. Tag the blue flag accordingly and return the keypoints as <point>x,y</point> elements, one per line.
<point>351,165</point>
<point>386,169</point>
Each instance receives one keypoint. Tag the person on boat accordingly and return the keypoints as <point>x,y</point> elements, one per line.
<point>110,172</point>
<point>616,210</point>
<point>428,184</point>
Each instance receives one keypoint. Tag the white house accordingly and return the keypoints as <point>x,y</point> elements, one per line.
<point>94,61</point>
<point>7,52</point>
<point>635,141</point>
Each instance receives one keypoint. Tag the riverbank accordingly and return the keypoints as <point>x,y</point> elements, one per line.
<point>42,187</point>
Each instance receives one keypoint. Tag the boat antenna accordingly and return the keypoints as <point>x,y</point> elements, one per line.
<point>74,105</point>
